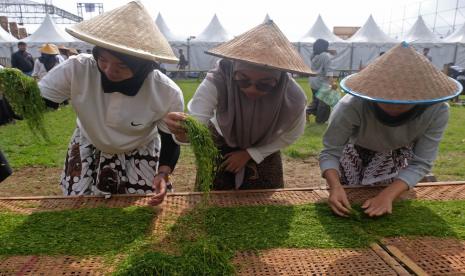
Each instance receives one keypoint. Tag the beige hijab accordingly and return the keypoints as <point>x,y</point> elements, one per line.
<point>248,123</point>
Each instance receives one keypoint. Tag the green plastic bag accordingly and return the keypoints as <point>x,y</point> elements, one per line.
<point>327,95</point>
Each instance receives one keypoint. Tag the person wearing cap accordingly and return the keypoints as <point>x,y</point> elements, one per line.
<point>387,129</point>
<point>321,64</point>
<point>120,144</point>
<point>48,59</point>
<point>252,106</point>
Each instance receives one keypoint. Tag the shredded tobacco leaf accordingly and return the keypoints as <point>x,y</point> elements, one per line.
<point>23,94</point>
<point>207,155</point>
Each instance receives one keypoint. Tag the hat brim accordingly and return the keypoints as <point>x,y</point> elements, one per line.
<point>49,52</point>
<point>388,101</point>
<point>261,64</point>
<point>120,48</point>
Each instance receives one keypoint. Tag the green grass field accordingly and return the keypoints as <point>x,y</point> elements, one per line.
<point>23,149</point>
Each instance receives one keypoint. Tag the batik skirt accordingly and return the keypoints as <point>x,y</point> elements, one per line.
<point>266,175</point>
<point>361,166</point>
<point>89,171</point>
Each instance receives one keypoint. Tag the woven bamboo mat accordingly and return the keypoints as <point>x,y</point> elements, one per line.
<point>317,262</point>
<point>56,265</point>
<point>429,255</point>
<point>177,201</point>
<point>372,261</point>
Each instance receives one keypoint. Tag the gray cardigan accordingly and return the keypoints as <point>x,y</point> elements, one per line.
<point>352,121</point>
<point>322,66</point>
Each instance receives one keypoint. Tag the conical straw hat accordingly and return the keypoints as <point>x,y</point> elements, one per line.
<point>264,45</point>
<point>50,49</point>
<point>128,29</point>
<point>403,76</point>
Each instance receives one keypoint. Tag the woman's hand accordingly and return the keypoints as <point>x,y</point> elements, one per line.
<point>382,203</point>
<point>159,189</point>
<point>338,201</point>
<point>378,205</point>
<point>337,195</point>
<point>235,161</point>
<point>174,122</point>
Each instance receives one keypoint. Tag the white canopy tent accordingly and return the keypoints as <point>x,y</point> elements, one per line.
<point>49,32</point>
<point>214,32</point>
<point>458,37</point>
<point>176,41</point>
<point>165,30</point>
<point>319,30</point>
<point>213,35</point>
<point>368,42</point>
<point>267,18</point>
<point>420,36</point>
<point>7,41</point>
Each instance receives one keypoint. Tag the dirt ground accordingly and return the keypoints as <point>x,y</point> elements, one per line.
<point>40,181</point>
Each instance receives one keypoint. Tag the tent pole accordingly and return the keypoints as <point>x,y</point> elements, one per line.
<point>351,56</point>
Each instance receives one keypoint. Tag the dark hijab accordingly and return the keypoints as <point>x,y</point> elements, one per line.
<point>320,46</point>
<point>48,60</point>
<point>140,69</point>
<point>394,121</point>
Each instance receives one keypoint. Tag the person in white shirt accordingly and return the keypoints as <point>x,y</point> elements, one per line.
<point>47,60</point>
<point>252,106</point>
<point>121,143</point>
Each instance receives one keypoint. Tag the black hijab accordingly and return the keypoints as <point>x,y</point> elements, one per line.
<point>48,60</point>
<point>139,67</point>
<point>394,121</point>
<point>320,46</point>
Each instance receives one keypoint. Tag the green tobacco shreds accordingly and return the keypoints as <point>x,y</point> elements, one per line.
<point>206,153</point>
<point>202,257</point>
<point>356,214</point>
<point>23,93</point>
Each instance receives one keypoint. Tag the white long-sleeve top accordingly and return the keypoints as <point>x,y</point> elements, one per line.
<point>203,107</point>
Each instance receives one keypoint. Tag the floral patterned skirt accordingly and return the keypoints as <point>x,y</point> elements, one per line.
<point>88,171</point>
<point>361,166</point>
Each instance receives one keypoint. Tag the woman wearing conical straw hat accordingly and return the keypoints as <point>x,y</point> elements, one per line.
<point>47,60</point>
<point>387,129</point>
<point>252,106</point>
<point>120,100</point>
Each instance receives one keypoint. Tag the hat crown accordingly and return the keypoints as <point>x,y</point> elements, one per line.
<point>128,29</point>
<point>401,75</point>
<point>263,45</point>
<point>50,49</point>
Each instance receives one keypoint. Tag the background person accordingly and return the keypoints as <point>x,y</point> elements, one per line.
<point>49,58</point>
<point>64,53</point>
<point>321,65</point>
<point>427,55</point>
<point>22,60</point>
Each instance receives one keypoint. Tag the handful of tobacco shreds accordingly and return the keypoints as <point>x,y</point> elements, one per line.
<point>356,214</point>
<point>23,94</point>
<point>207,155</point>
